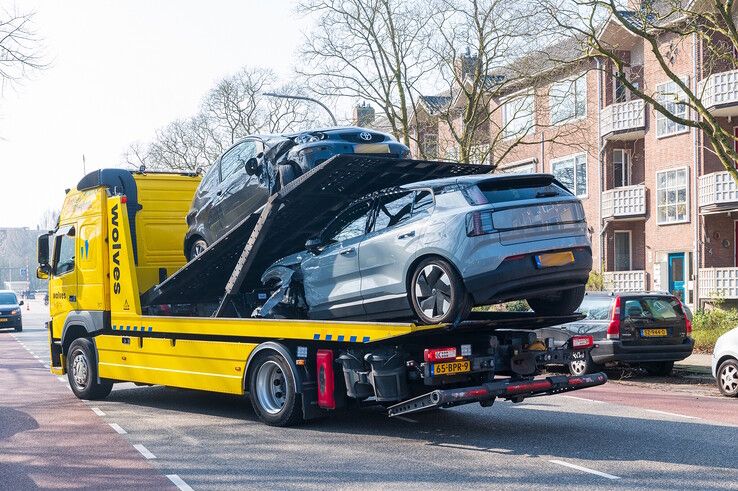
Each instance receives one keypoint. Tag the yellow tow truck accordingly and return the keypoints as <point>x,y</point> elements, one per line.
<point>124,306</point>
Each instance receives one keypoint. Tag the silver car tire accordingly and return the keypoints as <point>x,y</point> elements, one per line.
<point>197,248</point>
<point>727,378</point>
<point>437,293</point>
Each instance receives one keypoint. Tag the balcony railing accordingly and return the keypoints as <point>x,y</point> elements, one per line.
<point>718,191</point>
<point>718,283</point>
<point>625,281</point>
<point>720,93</point>
<point>623,121</point>
<point>625,202</point>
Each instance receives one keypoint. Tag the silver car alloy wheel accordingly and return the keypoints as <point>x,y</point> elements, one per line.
<point>271,387</point>
<point>729,378</point>
<point>433,291</point>
<point>80,370</point>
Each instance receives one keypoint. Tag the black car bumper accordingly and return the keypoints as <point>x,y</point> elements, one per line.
<point>10,321</point>
<point>613,351</point>
<point>520,278</point>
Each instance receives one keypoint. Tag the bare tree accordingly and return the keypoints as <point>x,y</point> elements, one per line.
<point>19,46</point>
<point>663,26</point>
<point>371,50</point>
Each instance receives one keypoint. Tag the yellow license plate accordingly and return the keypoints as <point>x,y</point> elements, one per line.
<point>653,333</point>
<point>3,319</point>
<point>450,368</point>
<point>554,259</point>
<point>371,148</point>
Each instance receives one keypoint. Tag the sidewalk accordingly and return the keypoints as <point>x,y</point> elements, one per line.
<point>696,366</point>
<point>51,439</point>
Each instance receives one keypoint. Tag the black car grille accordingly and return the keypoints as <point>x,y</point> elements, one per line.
<point>355,137</point>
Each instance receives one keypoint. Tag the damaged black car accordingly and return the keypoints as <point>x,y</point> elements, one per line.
<point>242,179</point>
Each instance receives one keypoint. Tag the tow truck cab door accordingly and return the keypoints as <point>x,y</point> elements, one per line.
<point>63,284</point>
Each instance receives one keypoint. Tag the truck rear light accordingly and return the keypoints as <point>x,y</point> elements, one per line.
<point>326,380</point>
<point>613,329</point>
<point>529,386</point>
<point>582,342</point>
<point>479,223</point>
<point>439,354</point>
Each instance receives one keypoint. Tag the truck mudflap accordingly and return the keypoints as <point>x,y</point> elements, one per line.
<point>515,390</point>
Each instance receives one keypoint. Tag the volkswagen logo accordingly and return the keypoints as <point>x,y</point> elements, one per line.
<point>365,135</point>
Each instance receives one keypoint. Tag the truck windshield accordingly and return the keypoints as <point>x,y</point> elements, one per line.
<point>504,190</point>
<point>7,298</point>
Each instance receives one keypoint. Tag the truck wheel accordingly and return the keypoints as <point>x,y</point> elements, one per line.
<point>437,293</point>
<point>82,371</point>
<point>563,303</point>
<point>727,378</point>
<point>272,390</point>
<point>658,368</point>
<point>582,366</point>
<point>197,248</point>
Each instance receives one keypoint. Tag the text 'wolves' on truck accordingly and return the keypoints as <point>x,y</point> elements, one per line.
<point>126,307</point>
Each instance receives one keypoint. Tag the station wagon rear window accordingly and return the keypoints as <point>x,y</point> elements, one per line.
<point>505,190</point>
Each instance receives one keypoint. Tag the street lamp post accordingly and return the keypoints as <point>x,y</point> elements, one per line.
<point>303,98</point>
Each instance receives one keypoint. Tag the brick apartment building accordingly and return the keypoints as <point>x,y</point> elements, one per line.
<point>663,213</point>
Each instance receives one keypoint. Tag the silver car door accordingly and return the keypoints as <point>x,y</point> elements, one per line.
<point>394,236</point>
<point>331,279</point>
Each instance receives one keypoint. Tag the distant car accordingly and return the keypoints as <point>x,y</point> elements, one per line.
<point>10,311</point>
<point>650,330</point>
<point>432,250</point>
<point>725,363</point>
<point>242,179</point>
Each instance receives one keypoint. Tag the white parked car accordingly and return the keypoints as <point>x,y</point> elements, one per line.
<point>725,363</point>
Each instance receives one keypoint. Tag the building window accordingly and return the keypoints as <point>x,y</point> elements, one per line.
<point>479,154</point>
<point>572,172</point>
<point>430,145</point>
<point>672,196</point>
<point>623,251</point>
<point>621,167</point>
<point>568,100</point>
<point>452,153</point>
<point>672,98</point>
<point>517,115</point>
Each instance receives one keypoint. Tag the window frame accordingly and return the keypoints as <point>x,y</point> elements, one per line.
<point>327,241</point>
<point>573,158</point>
<point>61,233</point>
<point>629,233</point>
<point>572,81</point>
<point>687,203</point>
<point>624,152</point>
<point>521,94</point>
<point>660,117</point>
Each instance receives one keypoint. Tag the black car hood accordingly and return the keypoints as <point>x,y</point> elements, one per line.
<point>296,213</point>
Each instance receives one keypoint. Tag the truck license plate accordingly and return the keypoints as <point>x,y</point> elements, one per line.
<point>653,333</point>
<point>554,259</point>
<point>450,368</point>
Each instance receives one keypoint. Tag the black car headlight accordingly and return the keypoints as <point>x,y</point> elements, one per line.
<point>15,312</point>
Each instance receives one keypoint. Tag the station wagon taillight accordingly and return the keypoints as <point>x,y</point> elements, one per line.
<point>479,223</point>
<point>613,329</point>
<point>687,322</point>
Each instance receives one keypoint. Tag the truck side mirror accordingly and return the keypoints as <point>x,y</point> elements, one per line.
<point>313,245</point>
<point>42,272</point>
<point>252,167</point>
<point>42,253</point>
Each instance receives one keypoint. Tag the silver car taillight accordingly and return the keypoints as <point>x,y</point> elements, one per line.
<point>479,223</point>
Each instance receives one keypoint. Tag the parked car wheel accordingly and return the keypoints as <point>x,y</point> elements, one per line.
<point>582,364</point>
<point>272,391</point>
<point>197,248</point>
<point>82,371</point>
<point>437,293</point>
<point>727,378</point>
<point>659,369</point>
<point>19,329</point>
<point>564,303</point>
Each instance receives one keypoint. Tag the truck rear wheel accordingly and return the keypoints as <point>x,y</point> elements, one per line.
<point>272,390</point>
<point>82,371</point>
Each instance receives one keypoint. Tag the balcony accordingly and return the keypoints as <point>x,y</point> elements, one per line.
<point>625,281</point>
<point>720,93</point>
<point>718,283</point>
<point>718,192</point>
<point>623,121</point>
<point>628,202</point>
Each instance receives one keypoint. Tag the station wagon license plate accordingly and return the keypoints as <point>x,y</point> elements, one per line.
<point>450,368</point>
<point>554,259</point>
<point>653,333</point>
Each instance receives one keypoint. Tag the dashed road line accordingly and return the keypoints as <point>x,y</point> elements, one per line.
<point>584,399</point>
<point>117,428</point>
<point>62,379</point>
<point>585,469</point>
<point>144,451</point>
<point>97,411</point>
<point>655,411</point>
<point>179,482</point>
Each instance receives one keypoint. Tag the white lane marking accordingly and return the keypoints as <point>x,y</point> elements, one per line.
<point>144,451</point>
<point>584,469</point>
<point>583,399</point>
<point>655,411</point>
<point>406,419</point>
<point>183,486</point>
<point>97,411</point>
<point>62,379</point>
<point>117,428</point>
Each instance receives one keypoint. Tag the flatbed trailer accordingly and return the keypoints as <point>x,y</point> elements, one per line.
<point>118,239</point>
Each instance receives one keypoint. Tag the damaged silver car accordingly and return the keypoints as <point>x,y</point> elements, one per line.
<point>434,249</point>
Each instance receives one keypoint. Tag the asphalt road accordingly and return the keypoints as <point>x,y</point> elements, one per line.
<point>617,436</point>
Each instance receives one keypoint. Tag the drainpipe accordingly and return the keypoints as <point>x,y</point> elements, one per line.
<point>543,149</point>
<point>600,169</point>
<point>697,172</point>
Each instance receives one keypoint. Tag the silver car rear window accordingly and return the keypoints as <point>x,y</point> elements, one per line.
<point>538,215</point>
<point>506,190</point>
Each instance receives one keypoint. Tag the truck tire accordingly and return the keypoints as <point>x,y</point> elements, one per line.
<point>272,390</point>
<point>658,368</point>
<point>437,293</point>
<point>82,371</point>
<point>727,378</point>
<point>563,303</point>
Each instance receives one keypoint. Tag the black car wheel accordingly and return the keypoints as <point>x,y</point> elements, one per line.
<point>563,303</point>
<point>727,378</point>
<point>658,368</point>
<point>19,328</point>
<point>197,248</point>
<point>437,293</point>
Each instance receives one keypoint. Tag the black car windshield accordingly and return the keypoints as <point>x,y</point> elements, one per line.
<point>596,308</point>
<point>8,298</point>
